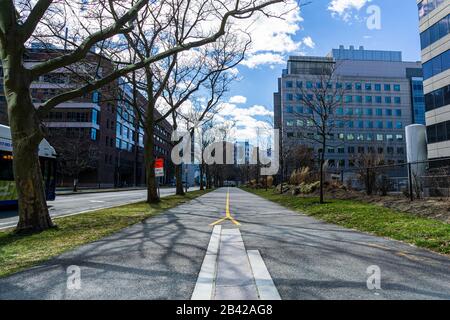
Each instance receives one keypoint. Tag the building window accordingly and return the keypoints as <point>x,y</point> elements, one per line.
<point>437,98</point>
<point>436,32</point>
<point>387,87</point>
<point>368,86</point>
<point>397,87</point>
<point>398,100</point>
<point>436,65</point>
<point>358,86</point>
<point>94,116</point>
<point>93,134</point>
<point>377,87</point>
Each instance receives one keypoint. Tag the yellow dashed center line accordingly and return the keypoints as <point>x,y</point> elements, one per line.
<point>227,213</point>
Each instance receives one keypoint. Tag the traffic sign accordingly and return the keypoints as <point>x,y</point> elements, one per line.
<point>159,167</point>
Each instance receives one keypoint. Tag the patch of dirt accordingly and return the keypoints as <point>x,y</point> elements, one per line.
<point>435,208</point>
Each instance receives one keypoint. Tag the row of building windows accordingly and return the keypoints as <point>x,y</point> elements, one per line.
<point>427,6</point>
<point>436,32</point>
<point>363,150</point>
<point>436,65</point>
<point>350,136</point>
<point>351,124</point>
<point>352,163</point>
<point>73,116</point>
<point>347,99</point>
<point>439,132</point>
<point>348,86</point>
<point>379,112</point>
<point>437,98</point>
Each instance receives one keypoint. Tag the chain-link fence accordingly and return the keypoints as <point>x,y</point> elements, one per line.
<point>416,180</point>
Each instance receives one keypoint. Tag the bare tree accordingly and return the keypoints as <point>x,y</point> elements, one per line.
<point>322,97</point>
<point>75,156</point>
<point>22,22</point>
<point>207,70</point>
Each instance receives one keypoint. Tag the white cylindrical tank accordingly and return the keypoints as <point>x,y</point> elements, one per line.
<point>416,147</point>
<point>416,143</point>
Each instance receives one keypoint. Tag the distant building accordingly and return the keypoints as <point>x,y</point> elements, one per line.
<point>434,27</point>
<point>383,95</point>
<point>99,121</point>
<point>242,152</point>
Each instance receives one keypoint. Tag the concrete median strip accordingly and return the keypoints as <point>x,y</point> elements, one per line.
<point>229,272</point>
<point>204,288</point>
<point>263,280</point>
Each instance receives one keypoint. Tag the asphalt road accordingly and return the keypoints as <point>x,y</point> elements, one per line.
<point>84,202</point>
<point>307,259</point>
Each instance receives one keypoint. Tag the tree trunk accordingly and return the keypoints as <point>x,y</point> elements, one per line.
<point>322,163</point>
<point>201,178</point>
<point>152,191</point>
<point>26,136</point>
<point>179,182</point>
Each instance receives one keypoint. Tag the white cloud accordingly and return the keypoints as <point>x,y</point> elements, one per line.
<point>272,38</point>
<point>308,41</point>
<point>345,8</point>
<point>254,60</point>
<point>247,120</point>
<point>238,99</point>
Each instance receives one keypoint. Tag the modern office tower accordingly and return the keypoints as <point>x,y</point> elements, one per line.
<point>434,27</point>
<point>97,136</point>
<point>382,95</point>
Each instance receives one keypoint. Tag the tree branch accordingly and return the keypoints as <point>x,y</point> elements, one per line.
<point>87,44</point>
<point>33,19</point>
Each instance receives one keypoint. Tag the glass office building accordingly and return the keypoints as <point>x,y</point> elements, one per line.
<point>434,28</point>
<point>382,95</point>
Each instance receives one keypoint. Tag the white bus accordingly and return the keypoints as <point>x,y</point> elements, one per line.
<point>47,158</point>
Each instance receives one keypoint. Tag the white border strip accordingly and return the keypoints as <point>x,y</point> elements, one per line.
<point>264,283</point>
<point>204,288</point>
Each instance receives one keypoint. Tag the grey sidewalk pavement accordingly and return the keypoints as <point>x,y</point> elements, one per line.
<point>307,259</point>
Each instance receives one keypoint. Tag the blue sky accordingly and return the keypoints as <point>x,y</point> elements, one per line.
<point>320,26</point>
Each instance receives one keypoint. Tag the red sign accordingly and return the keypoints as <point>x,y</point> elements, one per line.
<point>159,163</point>
<point>159,167</point>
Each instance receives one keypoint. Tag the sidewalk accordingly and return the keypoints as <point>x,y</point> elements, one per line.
<point>67,191</point>
<point>163,258</point>
<point>157,259</point>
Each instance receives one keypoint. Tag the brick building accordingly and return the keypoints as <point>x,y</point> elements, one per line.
<point>97,136</point>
